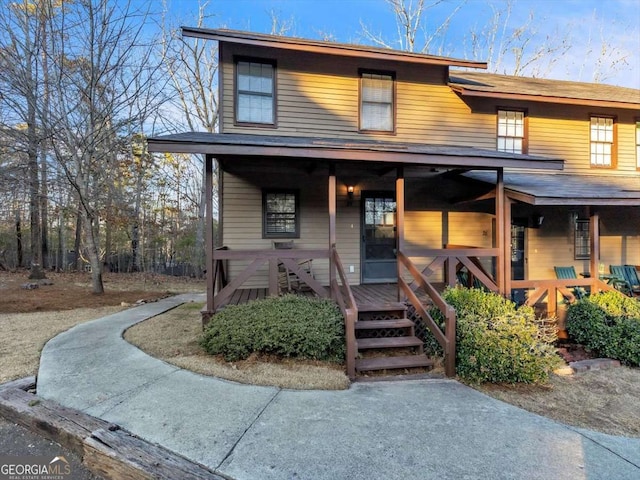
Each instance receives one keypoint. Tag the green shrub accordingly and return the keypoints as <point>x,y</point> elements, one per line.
<point>609,324</point>
<point>289,326</point>
<point>495,341</point>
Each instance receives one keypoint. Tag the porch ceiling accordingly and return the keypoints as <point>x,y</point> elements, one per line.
<point>567,189</point>
<point>239,146</point>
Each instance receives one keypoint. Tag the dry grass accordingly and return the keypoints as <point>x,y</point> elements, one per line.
<point>604,400</point>
<point>24,335</point>
<point>173,337</point>
<point>73,290</point>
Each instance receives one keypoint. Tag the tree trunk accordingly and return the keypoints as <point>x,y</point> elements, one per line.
<point>36,272</point>
<point>94,256</point>
<point>61,262</point>
<point>77,242</point>
<point>18,239</point>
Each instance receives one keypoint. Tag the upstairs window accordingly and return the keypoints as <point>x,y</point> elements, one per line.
<point>377,109</point>
<point>280,214</point>
<point>255,92</point>
<point>602,142</point>
<point>511,131</point>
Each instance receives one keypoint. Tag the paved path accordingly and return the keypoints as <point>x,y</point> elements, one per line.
<point>424,429</point>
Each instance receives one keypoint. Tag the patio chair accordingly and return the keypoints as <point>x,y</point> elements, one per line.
<point>568,273</point>
<point>288,281</point>
<point>625,280</point>
<point>631,276</point>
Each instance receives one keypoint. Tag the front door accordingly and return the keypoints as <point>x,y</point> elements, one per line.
<point>517,258</point>
<point>378,248</point>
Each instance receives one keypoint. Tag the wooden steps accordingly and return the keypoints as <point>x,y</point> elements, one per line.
<point>388,342</point>
<point>378,324</point>
<point>387,363</point>
<point>388,337</point>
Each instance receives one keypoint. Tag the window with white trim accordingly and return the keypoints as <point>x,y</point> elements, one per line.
<point>601,130</point>
<point>255,92</point>
<point>376,102</point>
<point>511,131</point>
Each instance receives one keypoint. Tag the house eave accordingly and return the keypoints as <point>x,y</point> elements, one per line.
<point>324,47</point>
<point>466,92</point>
<point>360,152</point>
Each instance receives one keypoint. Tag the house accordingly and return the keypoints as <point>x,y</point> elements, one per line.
<point>390,168</point>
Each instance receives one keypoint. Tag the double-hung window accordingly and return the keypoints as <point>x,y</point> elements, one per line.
<point>602,142</point>
<point>255,92</point>
<point>377,96</point>
<point>280,214</point>
<point>511,131</point>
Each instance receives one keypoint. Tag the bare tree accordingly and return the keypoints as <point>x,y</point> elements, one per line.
<point>20,78</point>
<point>101,65</point>
<point>412,33</point>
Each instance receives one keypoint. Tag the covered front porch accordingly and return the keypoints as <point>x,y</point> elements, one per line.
<point>418,269</point>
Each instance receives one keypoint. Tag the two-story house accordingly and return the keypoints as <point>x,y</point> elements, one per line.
<point>397,171</point>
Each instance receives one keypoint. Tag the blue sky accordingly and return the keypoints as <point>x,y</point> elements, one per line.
<point>585,26</point>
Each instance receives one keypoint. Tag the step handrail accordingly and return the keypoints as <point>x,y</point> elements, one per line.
<point>343,296</point>
<point>447,339</point>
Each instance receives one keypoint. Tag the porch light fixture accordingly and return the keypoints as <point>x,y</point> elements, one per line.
<point>349,195</point>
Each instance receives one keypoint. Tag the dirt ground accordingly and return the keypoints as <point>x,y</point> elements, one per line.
<point>28,318</point>
<point>73,290</point>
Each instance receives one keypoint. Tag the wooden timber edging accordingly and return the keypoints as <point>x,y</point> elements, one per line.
<point>105,448</point>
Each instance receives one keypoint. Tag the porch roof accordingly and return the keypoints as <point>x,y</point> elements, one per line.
<point>481,84</point>
<point>246,146</point>
<point>567,189</point>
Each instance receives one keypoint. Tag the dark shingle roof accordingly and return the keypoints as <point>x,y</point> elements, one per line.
<point>324,47</point>
<point>544,90</point>
<point>568,189</point>
<point>244,145</point>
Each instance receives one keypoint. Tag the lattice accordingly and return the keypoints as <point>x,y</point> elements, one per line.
<point>382,333</point>
<point>391,315</point>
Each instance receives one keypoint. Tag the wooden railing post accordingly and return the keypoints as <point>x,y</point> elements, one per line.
<point>208,195</point>
<point>399,222</point>
<point>332,220</point>
<point>500,231</point>
<point>274,289</point>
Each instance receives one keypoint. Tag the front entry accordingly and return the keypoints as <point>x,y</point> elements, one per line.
<point>518,258</point>
<point>378,249</point>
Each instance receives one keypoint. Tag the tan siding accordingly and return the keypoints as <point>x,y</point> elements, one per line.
<point>319,97</point>
<point>552,244</point>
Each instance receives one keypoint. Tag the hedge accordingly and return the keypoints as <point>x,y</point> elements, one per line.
<point>289,326</point>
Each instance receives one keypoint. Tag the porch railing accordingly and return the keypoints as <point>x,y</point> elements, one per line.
<point>257,258</point>
<point>343,296</point>
<point>451,259</point>
<point>554,289</point>
<point>447,340</point>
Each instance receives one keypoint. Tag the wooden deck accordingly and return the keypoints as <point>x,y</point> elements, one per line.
<point>376,294</point>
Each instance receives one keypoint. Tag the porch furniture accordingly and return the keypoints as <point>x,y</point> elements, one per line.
<point>288,280</point>
<point>569,273</point>
<point>626,279</point>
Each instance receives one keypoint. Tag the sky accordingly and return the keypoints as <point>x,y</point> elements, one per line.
<point>592,40</point>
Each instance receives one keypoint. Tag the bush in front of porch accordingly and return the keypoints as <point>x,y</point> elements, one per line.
<point>288,326</point>
<point>498,342</point>
<point>607,323</point>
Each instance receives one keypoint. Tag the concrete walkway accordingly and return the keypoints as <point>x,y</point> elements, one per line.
<point>424,429</point>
